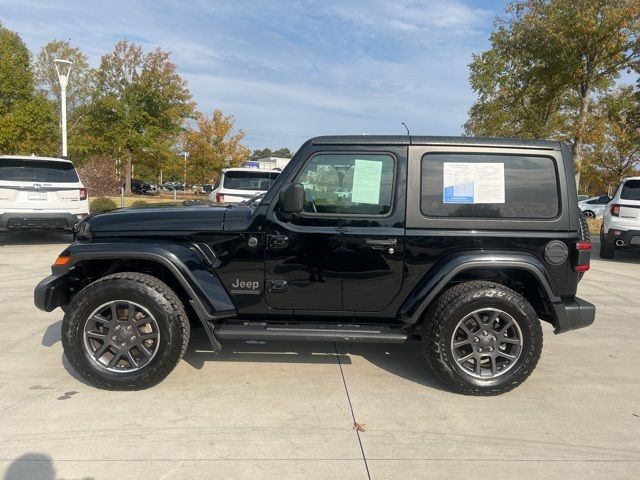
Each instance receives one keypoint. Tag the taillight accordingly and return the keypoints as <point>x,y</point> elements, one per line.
<point>220,197</point>
<point>584,257</point>
<point>83,194</point>
<point>615,210</point>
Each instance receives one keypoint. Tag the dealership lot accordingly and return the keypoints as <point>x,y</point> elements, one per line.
<point>286,410</point>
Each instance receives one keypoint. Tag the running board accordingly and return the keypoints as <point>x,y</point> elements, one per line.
<point>310,332</point>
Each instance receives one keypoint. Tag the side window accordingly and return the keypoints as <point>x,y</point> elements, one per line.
<point>348,184</point>
<point>472,185</point>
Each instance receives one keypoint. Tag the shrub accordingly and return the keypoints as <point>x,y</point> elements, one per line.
<point>139,203</point>
<point>102,205</point>
<point>99,176</point>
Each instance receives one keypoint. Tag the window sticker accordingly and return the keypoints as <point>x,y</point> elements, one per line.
<point>367,177</point>
<point>473,182</point>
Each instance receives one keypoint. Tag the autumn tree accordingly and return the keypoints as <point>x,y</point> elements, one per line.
<point>27,119</point>
<point>139,105</point>
<point>614,152</point>
<point>548,59</point>
<point>212,145</point>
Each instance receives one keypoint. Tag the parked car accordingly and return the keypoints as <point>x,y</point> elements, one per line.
<point>238,184</point>
<point>40,193</point>
<point>173,186</point>
<point>621,221</point>
<point>594,207</point>
<point>201,189</point>
<point>583,197</point>
<point>467,244</point>
<point>139,187</point>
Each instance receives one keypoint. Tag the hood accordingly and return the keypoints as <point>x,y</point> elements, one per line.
<point>157,220</point>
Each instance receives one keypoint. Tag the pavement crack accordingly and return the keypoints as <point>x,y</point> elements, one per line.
<point>353,415</point>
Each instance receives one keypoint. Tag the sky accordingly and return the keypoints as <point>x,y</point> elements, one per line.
<point>291,70</point>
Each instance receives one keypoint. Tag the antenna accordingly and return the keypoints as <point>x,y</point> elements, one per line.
<point>405,126</point>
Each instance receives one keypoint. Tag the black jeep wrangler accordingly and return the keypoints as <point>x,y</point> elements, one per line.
<point>464,243</point>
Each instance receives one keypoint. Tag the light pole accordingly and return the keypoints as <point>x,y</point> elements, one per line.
<point>63,68</point>
<point>186,154</point>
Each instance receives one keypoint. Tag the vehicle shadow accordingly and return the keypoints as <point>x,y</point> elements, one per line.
<point>51,335</point>
<point>35,238</point>
<point>625,255</point>
<point>403,360</point>
<point>33,466</point>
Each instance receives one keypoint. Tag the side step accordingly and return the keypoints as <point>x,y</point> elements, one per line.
<point>311,332</point>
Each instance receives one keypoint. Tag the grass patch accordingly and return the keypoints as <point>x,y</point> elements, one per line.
<point>594,225</point>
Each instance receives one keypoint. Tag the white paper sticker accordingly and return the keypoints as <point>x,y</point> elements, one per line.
<point>473,182</point>
<point>367,177</point>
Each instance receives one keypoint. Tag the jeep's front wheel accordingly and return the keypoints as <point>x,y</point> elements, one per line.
<point>125,331</point>
<point>482,338</point>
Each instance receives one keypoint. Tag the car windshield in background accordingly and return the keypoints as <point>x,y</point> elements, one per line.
<point>249,180</point>
<point>631,190</point>
<point>16,170</point>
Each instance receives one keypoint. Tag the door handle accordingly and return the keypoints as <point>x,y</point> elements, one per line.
<point>277,285</point>
<point>278,241</point>
<point>380,244</point>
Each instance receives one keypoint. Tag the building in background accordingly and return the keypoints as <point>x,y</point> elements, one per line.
<point>268,163</point>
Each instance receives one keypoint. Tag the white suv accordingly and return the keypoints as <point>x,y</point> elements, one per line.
<point>239,184</point>
<point>621,221</point>
<point>40,193</point>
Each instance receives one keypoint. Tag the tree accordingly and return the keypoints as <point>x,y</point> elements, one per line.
<point>615,150</point>
<point>79,91</point>
<point>213,146</point>
<point>267,152</point>
<point>139,105</point>
<point>27,120</point>
<point>46,78</point>
<point>547,60</point>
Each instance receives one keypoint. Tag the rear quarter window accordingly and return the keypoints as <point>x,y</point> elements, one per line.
<point>249,180</point>
<point>530,187</point>
<point>17,170</point>
<point>630,190</point>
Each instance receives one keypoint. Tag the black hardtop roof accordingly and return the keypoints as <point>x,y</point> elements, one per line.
<point>433,140</point>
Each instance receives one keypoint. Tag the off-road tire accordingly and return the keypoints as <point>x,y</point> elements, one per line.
<point>147,291</point>
<point>607,251</point>
<point>452,306</point>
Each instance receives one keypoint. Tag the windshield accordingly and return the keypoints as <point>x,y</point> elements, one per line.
<point>249,180</point>
<point>631,190</point>
<point>16,170</point>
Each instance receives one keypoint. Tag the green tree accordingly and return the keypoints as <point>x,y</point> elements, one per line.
<point>548,59</point>
<point>212,146</point>
<point>139,105</point>
<point>79,91</point>
<point>27,119</point>
<point>267,152</point>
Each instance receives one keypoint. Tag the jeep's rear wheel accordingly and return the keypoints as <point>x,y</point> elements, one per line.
<point>482,338</point>
<point>125,331</point>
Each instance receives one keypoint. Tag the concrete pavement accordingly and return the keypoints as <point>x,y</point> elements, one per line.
<point>286,410</point>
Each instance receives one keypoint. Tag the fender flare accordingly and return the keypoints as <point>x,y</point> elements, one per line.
<point>186,262</point>
<point>453,264</point>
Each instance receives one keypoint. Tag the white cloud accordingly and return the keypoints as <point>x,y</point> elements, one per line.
<point>296,69</point>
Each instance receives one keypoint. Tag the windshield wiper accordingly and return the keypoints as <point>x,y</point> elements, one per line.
<point>252,199</point>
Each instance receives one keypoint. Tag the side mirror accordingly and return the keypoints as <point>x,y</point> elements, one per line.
<point>291,198</point>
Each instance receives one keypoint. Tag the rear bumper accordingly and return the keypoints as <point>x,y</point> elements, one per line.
<point>37,221</point>
<point>573,315</point>
<point>629,237</point>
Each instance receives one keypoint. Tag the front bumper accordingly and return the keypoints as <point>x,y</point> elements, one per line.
<point>37,221</point>
<point>50,293</point>
<point>573,315</point>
